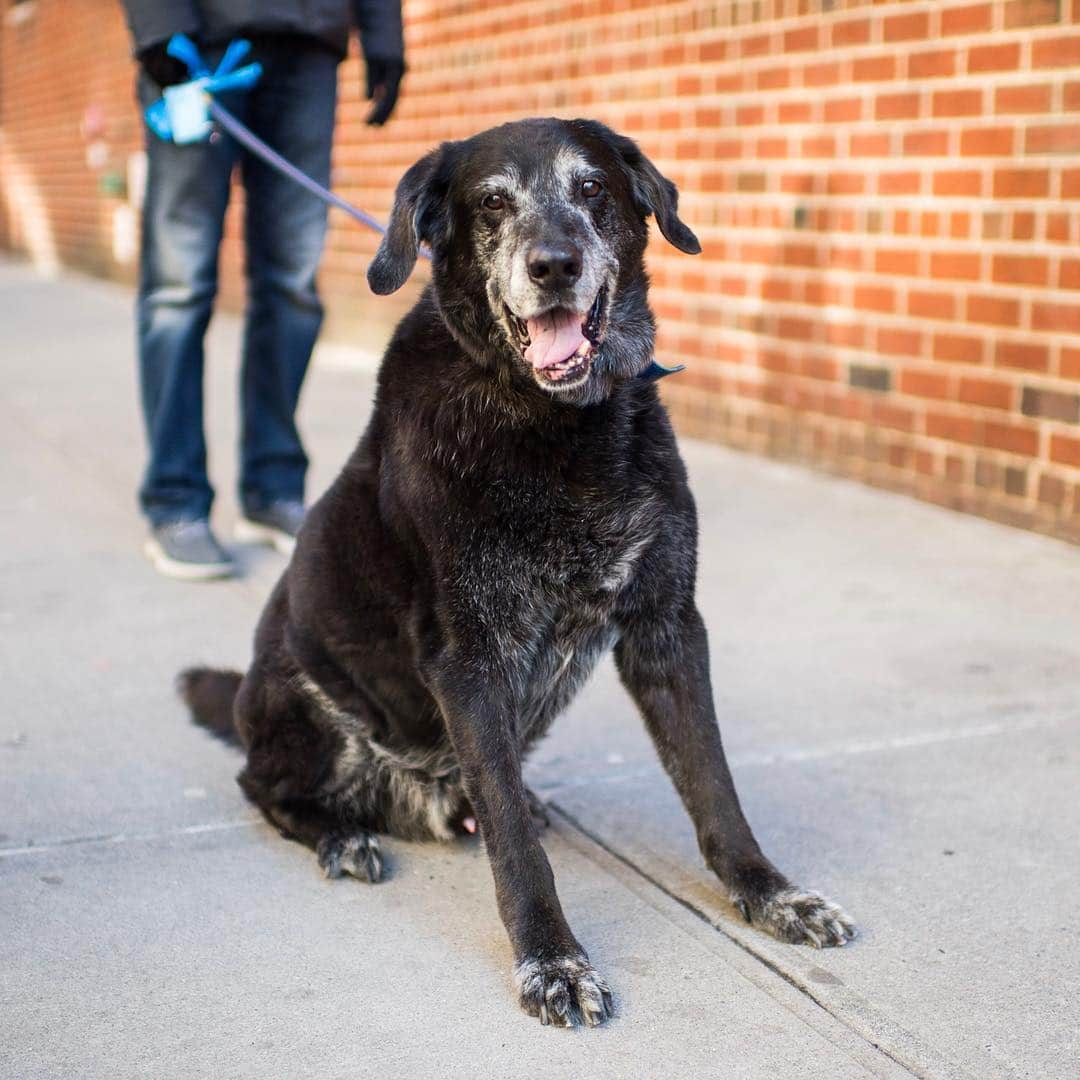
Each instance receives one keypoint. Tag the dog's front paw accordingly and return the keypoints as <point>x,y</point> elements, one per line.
<point>356,854</point>
<point>801,917</point>
<point>563,991</point>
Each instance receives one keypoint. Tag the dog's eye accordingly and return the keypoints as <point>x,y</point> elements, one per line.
<point>493,202</point>
<point>591,188</point>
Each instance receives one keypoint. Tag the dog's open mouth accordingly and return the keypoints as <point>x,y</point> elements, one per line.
<point>559,344</point>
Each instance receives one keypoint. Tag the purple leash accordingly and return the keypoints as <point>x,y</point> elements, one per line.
<point>252,142</point>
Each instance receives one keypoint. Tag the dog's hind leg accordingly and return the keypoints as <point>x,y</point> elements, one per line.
<point>340,847</point>
<point>290,762</point>
<point>664,663</point>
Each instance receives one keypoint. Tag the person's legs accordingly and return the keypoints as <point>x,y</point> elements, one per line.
<point>186,194</point>
<point>293,110</point>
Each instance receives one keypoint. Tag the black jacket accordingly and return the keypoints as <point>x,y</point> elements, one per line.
<point>219,21</point>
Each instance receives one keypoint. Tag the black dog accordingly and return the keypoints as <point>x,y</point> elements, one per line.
<point>517,507</point>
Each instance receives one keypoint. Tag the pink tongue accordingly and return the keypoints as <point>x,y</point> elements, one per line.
<point>555,336</point>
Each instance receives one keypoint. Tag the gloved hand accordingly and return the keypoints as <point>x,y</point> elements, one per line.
<point>162,68</point>
<point>383,84</point>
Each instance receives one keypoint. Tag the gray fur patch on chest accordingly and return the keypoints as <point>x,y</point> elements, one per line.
<point>549,614</point>
<point>560,667</point>
<point>417,793</point>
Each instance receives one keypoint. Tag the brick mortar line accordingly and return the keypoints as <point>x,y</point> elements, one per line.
<point>857,465</point>
<point>914,243</point>
<point>942,204</point>
<point>873,12</point>
<point>900,126</point>
<point>901,362</point>
<point>804,308</point>
<point>964,292</point>
<point>842,89</point>
<point>758,377</point>
<point>1012,378</point>
<point>749,406</point>
<point>918,433</point>
<point>757,273</point>
<point>754,368</point>
<point>778,25</point>
<point>752,66</point>
<point>720,335</point>
<point>954,372</point>
<point>847,275</point>
<point>643,13</point>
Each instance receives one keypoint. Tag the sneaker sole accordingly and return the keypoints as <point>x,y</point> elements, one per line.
<point>251,532</point>
<point>185,571</point>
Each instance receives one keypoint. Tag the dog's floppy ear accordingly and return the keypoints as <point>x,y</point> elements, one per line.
<point>653,193</point>
<point>409,223</point>
<point>657,195</point>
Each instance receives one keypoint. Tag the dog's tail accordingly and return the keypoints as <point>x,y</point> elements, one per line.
<point>210,695</point>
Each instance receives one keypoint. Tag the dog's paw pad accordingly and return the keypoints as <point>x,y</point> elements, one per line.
<point>563,992</point>
<point>356,854</point>
<point>803,917</point>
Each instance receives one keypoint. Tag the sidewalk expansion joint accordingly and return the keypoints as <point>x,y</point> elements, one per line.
<point>125,837</point>
<point>925,1070</point>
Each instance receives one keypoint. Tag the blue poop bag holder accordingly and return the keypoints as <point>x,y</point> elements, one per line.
<point>186,113</point>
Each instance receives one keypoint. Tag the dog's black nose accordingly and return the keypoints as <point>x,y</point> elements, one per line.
<point>554,265</point>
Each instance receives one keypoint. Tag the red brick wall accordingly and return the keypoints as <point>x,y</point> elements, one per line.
<point>58,58</point>
<point>888,195</point>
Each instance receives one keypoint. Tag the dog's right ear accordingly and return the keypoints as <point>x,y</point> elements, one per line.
<point>409,225</point>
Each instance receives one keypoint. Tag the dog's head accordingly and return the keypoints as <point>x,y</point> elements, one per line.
<point>537,231</point>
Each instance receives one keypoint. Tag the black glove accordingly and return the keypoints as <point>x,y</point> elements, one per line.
<point>162,68</point>
<point>383,84</point>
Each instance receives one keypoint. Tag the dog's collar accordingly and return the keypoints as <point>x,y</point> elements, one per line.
<point>657,371</point>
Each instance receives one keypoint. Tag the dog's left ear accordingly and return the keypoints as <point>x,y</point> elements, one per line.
<point>657,195</point>
<point>654,194</point>
<point>410,225</point>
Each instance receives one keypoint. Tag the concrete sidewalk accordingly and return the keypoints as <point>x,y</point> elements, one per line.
<point>898,687</point>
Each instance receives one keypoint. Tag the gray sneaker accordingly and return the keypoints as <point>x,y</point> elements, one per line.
<point>188,550</point>
<point>276,525</point>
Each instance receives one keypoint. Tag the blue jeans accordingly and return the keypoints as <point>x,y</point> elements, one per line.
<point>291,108</point>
